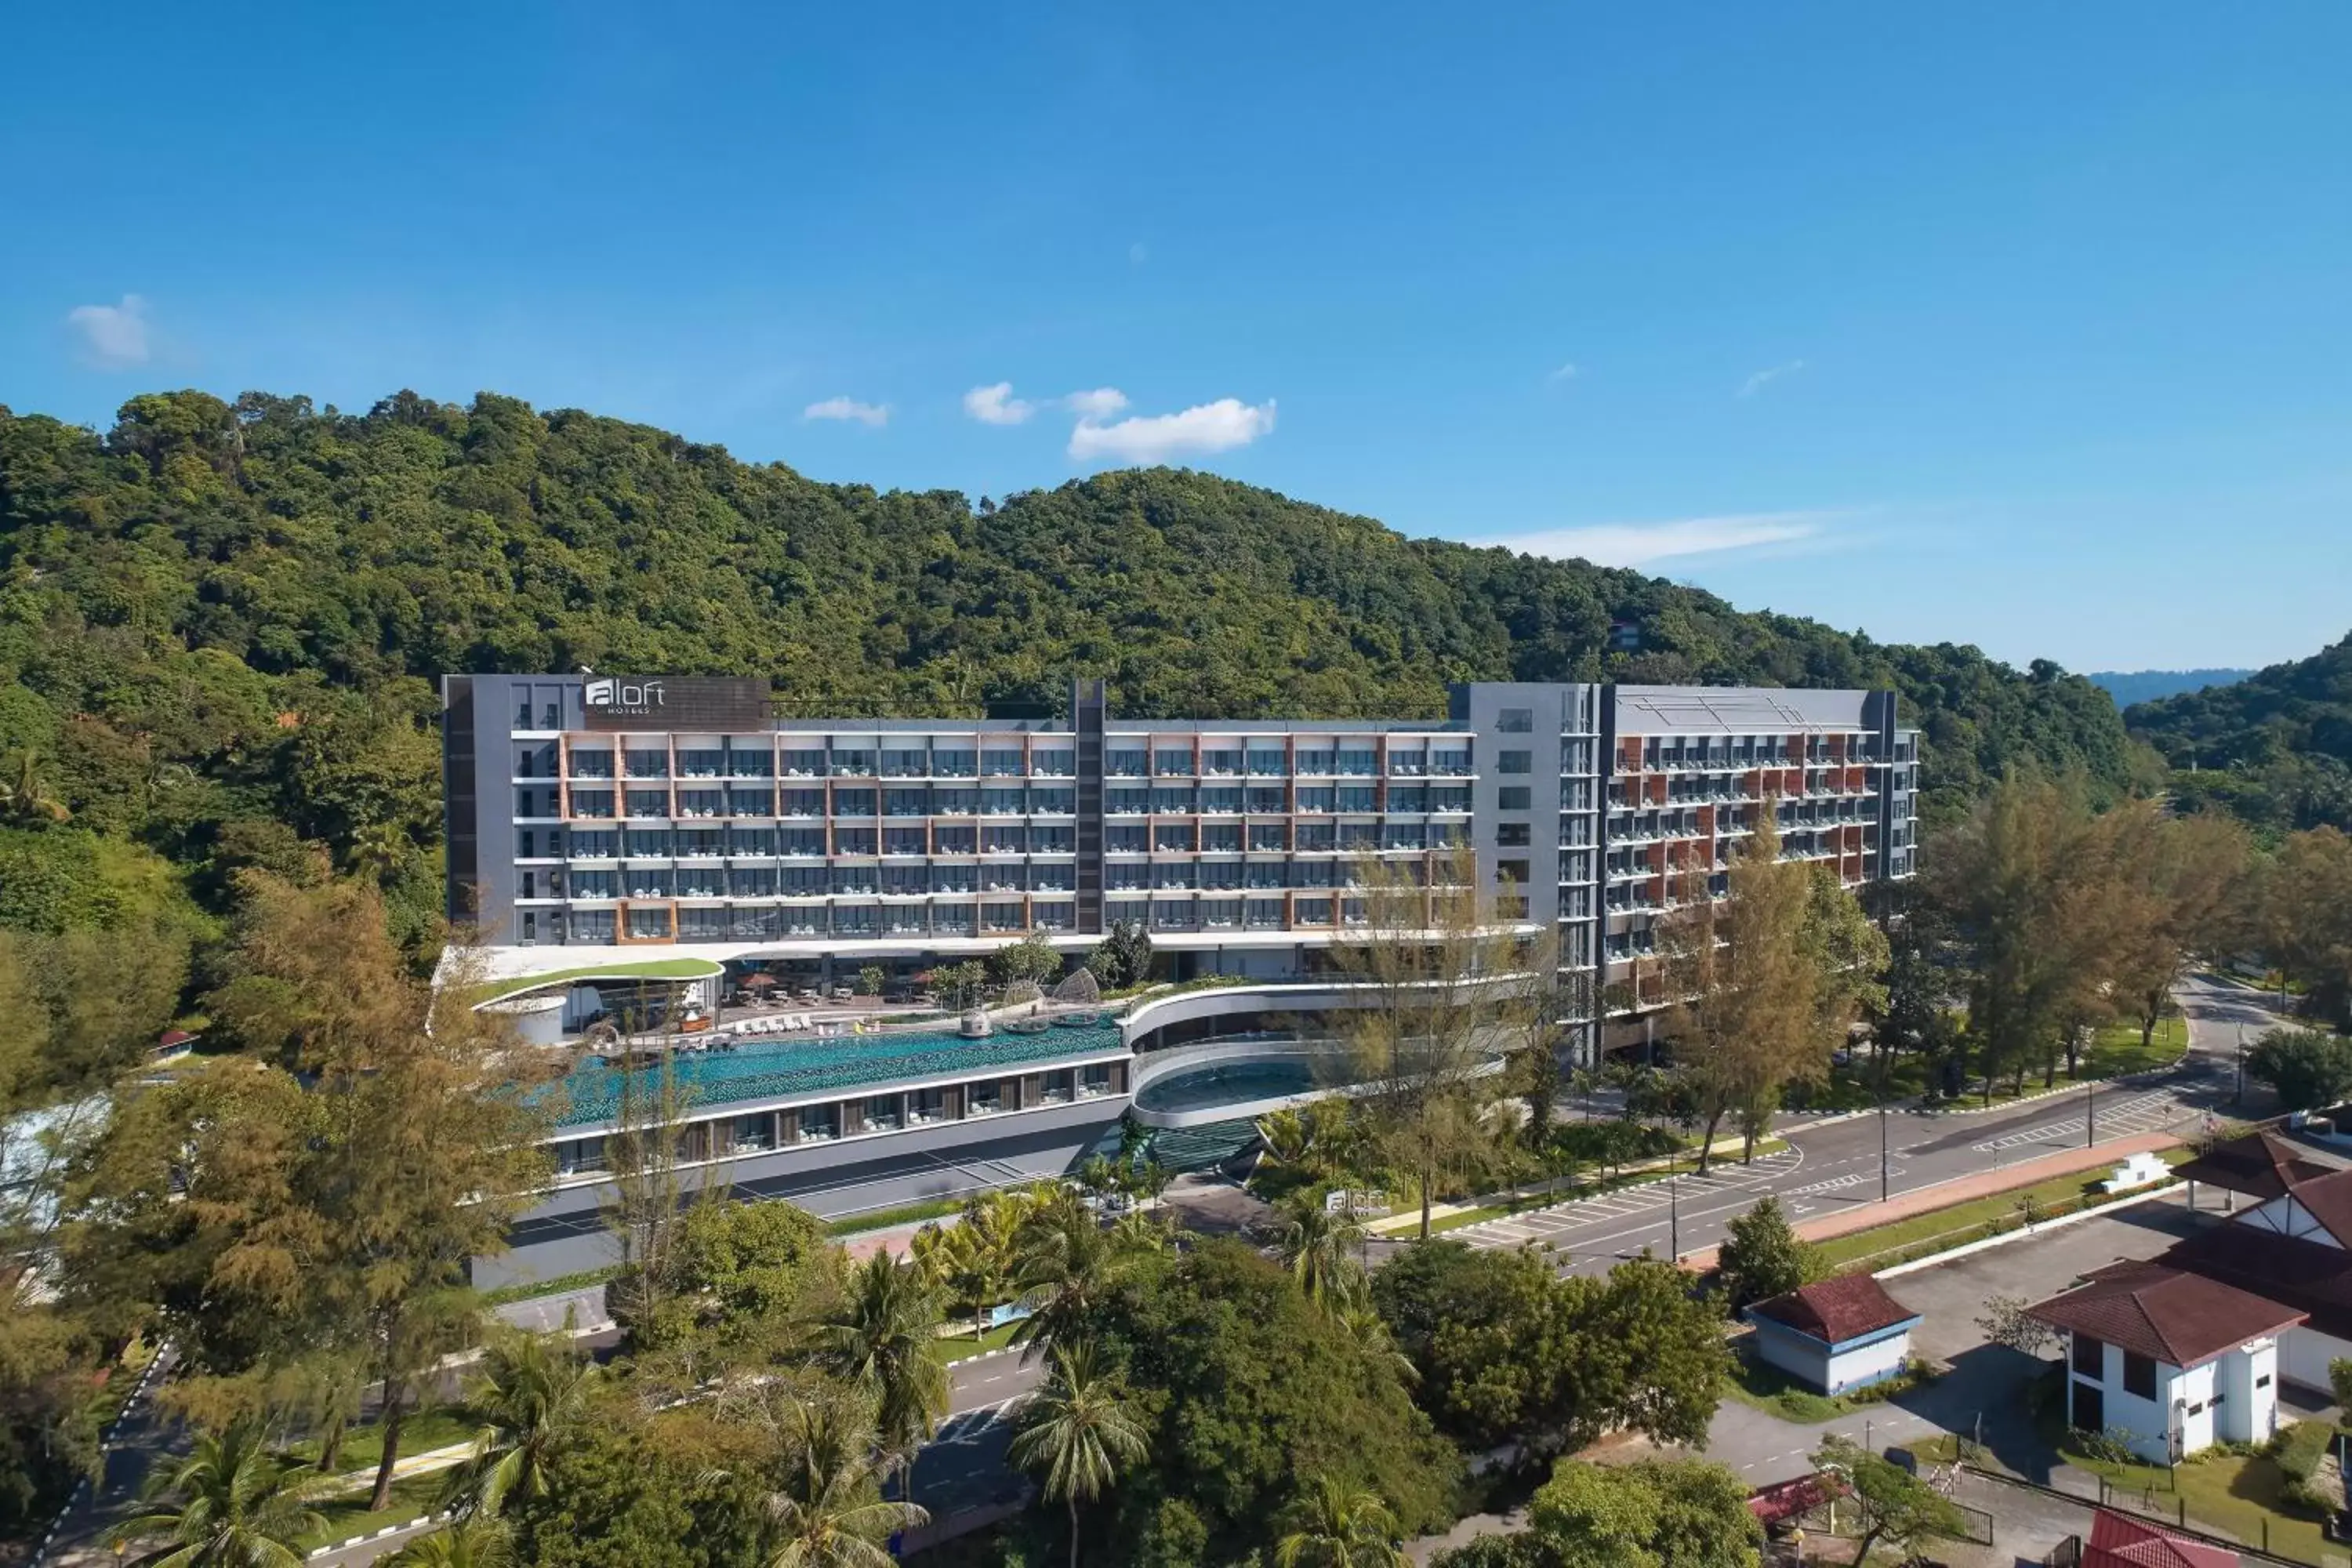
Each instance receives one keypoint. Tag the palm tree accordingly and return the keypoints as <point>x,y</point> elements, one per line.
<point>1361,1322</point>
<point>229,1503</point>
<point>827,1513</point>
<point>1078,1431</point>
<point>25,795</point>
<point>1321,1250</point>
<point>475,1542</point>
<point>378,851</point>
<point>1340,1528</point>
<point>1066,1264</point>
<point>533,1391</point>
<point>880,1340</point>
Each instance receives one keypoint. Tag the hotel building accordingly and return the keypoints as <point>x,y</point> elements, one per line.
<point>598,826</point>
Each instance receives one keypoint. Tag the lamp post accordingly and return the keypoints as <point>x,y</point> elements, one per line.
<point>2240,1099</point>
<point>1882,1153</point>
<point>2090,1114</point>
<point>1674,1217</point>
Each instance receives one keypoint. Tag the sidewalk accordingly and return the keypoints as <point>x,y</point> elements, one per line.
<point>1962,1189</point>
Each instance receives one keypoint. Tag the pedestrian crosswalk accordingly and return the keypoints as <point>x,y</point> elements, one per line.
<point>2120,1118</point>
<point>1560,1224</point>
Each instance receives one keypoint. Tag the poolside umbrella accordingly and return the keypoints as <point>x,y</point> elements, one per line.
<point>758,980</point>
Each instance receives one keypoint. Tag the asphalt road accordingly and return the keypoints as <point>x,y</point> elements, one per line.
<point>1838,1164</point>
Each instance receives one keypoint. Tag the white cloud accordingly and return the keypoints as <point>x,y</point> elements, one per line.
<point>1565,372</point>
<point>1639,543</point>
<point>1209,427</point>
<point>1764,378</point>
<point>997,406</point>
<point>1100,403</point>
<point>112,336</point>
<point>849,409</point>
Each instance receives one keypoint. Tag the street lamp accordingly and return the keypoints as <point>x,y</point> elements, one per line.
<point>2241,1097</point>
<point>1882,1153</point>
<point>2090,1114</point>
<point>1674,1217</point>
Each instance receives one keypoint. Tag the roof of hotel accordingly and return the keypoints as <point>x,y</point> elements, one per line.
<point>2165,1313</point>
<point>1836,1311</point>
<point>1740,710</point>
<point>2260,1165</point>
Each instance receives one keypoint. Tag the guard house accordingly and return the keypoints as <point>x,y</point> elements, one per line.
<point>2171,1361</point>
<point>1835,1335</point>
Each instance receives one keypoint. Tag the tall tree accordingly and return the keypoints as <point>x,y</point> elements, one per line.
<point>1897,1506</point>
<point>1761,1257</point>
<point>1322,1250</point>
<point>1334,1525</point>
<point>227,1503</point>
<point>1449,983</point>
<point>1741,985</point>
<point>824,1507</point>
<point>880,1339</point>
<point>533,1391</point>
<point>1079,1431</point>
<point>1066,1265</point>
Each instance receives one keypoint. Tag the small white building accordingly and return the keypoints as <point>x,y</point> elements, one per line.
<point>2170,1362</point>
<point>1835,1335</point>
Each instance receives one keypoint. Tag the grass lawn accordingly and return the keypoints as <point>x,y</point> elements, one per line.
<point>955,1347</point>
<point>1755,1382</point>
<point>2235,1493</point>
<point>635,968</point>
<point>883,1220</point>
<point>2115,1050</point>
<point>350,1516</point>
<point>1843,1254</point>
<point>364,1446</point>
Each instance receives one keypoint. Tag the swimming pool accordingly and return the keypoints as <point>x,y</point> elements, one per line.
<point>1239,1083</point>
<point>771,1071</point>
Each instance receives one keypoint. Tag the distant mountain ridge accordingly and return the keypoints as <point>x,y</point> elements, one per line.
<point>220,623</point>
<point>2275,747</point>
<point>2129,686</point>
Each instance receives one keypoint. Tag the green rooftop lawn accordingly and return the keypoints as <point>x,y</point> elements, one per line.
<point>633,969</point>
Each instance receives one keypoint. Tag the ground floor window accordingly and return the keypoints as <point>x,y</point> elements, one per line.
<point>2090,1412</point>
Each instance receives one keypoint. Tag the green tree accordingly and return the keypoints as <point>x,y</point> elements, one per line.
<point>1323,1251</point>
<point>1333,1525</point>
<point>879,1340</point>
<point>1761,1257</point>
<point>1066,1266</point>
<point>825,1509</point>
<point>1895,1506</point>
<point>2310,1070</point>
<point>25,797</point>
<point>1678,1513</point>
<point>476,1541</point>
<point>534,1391</point>
<point>1078,1432</point>
<point>227,1503</point>
<point>869,980</point>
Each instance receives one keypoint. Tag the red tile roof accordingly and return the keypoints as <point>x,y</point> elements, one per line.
<point>2260,1165</point>
<point>2328,1200</point>
<point>2165,1313</point>
<point>1836,1311</point>
<point>2310,1277</point>
<point>2120,1542</point>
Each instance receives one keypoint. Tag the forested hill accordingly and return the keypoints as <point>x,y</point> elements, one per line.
<point>2275,747</point>
<point>2129,686</point>
<point>216,619</point>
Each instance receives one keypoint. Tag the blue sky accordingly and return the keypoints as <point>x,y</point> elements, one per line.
<point>2022,325</point>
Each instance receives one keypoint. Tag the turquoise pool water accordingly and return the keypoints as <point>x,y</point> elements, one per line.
<point>1204,1088</point>
<point>771,1069</point>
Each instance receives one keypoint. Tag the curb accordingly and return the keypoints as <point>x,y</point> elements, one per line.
<point>984,1355</point>
<point>2024,1232</point>
<point>345,1545</point>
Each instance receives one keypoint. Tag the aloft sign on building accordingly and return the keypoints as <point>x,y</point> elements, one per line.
<point>669,702</point>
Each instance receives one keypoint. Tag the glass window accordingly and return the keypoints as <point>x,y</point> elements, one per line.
<point>1001,762</point>
<point>853,841</point>
<point>805,763</point>
<point>1317,798</point>
<point>1127,837</point>
<point>1267,763</point>
<point>1318,762</point>
<point>1357,797</point>
<point>2139,1374</point>
<point>904,762</point>
<point>1220,836</point>
<point>1451,761</point>
<point>1514,762</point>
<point>955,840</point>
<point>1130,763</point>
<point>1176,761</point>
<point>648,923</point>
<point>1511,834</point>
<point>1514,797</point>
<point>955,764</point>
<point>649,802</point>
<point>751,760</point>
<point>648,764</point>
<point>1516,720</point>
<point>853,803</point>
<point>1357,762</point>
<point>702,762</point>
<point>592,802</point>
<point>1053,764</point>
<point>2090,1355</point>
<point>1268,835</point>
<point>595,764</point>
<point>820,1123</point>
